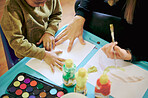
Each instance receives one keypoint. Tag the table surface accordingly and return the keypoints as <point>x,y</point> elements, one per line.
<point>21,66</point>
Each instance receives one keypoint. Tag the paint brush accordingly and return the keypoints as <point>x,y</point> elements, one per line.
<point>113,40</point>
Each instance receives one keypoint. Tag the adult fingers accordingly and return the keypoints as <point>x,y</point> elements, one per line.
<point>70,45</point>
<point>60,35</point>
<point>118,52</point>
<point>81,40</point>
<point>122,53</point>
<point>62,40</point>
<point>109,50</point>
<point>112,45</point>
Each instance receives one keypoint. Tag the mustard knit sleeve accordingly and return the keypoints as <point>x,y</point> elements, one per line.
<point>11,24</point>
<point>54,18</point>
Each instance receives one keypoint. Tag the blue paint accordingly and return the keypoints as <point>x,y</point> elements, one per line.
<point>53,91</point>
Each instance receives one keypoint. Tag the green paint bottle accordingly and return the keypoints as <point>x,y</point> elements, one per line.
<point>69,70</point>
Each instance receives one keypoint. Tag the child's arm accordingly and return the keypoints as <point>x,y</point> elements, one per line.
<point>11,24</point>
<point>54,18</point>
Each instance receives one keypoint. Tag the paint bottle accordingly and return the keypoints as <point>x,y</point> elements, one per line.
<point>69,70</point>
<point>81,79</point>
<point>103,85</point>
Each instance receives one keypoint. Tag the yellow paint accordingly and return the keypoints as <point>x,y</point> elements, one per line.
<point>16,83</point>
<point>92,69</point>
<point>104,79</point>
<point>69,63</point>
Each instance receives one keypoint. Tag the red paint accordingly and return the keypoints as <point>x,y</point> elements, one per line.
<point>23,86</point>
<point>18,92</point>
<point>60,94</point>
<point>104,89</point>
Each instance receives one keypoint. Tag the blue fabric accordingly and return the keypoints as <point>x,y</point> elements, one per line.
<point>9,53</point>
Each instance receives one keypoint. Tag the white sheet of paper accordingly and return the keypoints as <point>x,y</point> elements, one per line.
<point>131,83</point>
<point>77,54</point>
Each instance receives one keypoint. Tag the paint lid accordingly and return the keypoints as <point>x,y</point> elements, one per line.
<point>82,72</point>
<point>69,63</point>
<point>104,79</point>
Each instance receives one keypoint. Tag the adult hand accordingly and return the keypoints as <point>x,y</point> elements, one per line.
<point>72,31</point>
<point>48,41</point>
<point>119,52</point>
<point>52,59</point>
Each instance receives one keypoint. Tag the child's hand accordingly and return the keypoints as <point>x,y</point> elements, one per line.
<point>52,59</point>
<point>48,41</point>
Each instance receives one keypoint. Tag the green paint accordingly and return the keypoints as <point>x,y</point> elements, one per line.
<point>40,86</point>
<point>92,69</point>
<point>107,69</point>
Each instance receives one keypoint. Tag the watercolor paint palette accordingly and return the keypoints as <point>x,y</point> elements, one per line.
<point>27,86</point>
